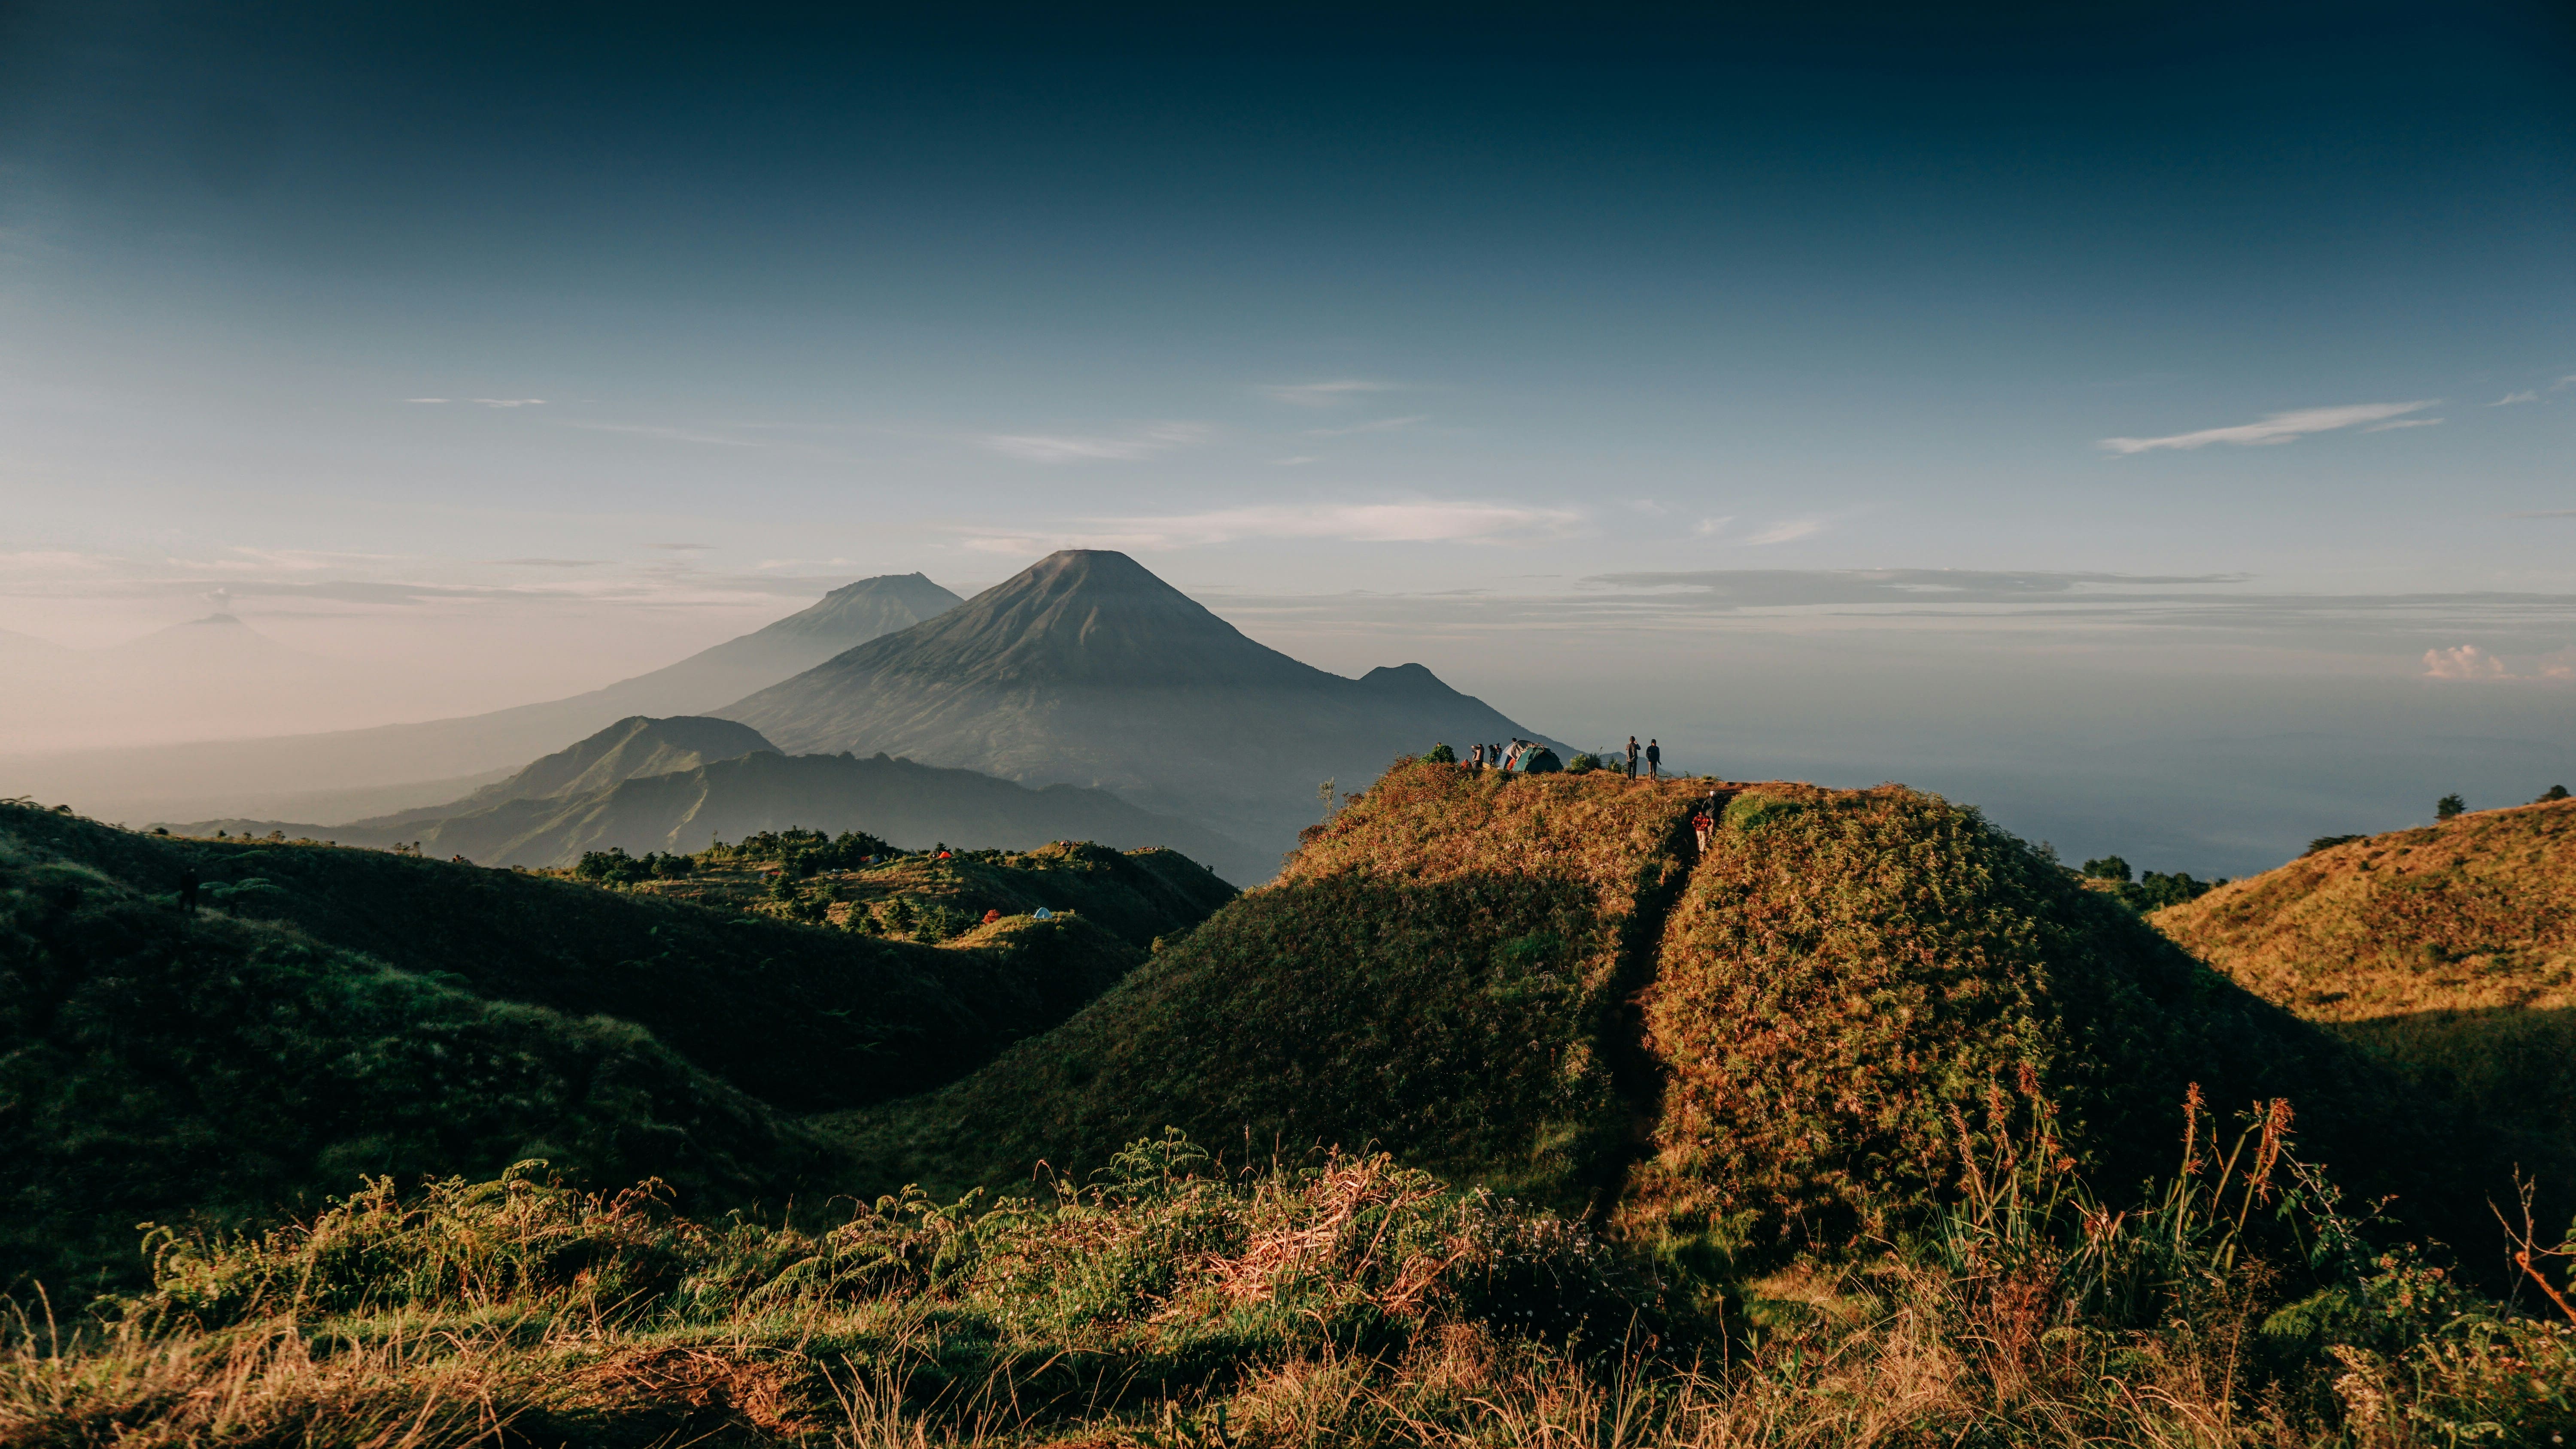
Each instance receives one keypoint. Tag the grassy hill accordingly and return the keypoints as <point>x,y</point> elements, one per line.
<point>1441,971</point>
<point>2450,949</point>
<point>1855,984</point>
<point>1506,981</point>
<point>336,1011</point>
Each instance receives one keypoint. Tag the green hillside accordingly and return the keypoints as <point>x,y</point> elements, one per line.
<point>1439,972</point>
<point>2449,950</point>
<point>1857,981</point>
<point>332,1011</point>
<point>1505,981</point>
<point>1140,896</point>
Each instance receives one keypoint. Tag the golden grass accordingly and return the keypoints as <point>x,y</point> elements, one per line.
<point>2476,913</point>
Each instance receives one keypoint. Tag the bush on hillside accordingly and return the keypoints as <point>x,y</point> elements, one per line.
<point>806,850</point>
<point>2449,807</point>
<point>2551,795</point>
<point>1441,754</point>
<point>614,866</point>
<point>2329,842</point>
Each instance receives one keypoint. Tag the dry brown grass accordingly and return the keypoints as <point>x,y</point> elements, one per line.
<point>2476,913</point>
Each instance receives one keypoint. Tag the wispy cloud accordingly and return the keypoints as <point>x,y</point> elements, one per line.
<point>2276,428</point>
<point>1322,394</point>
<point>1426,521</point>
<point>509,402</point>
<point>1712,527</point>
<point>2568,381</point>
<point>2403,423</point>
<point>1057,448</point>
<point>1787,530</point>
<point>1381,425</point>
<point>2509,399</point>
<point>428,399</point>
<point>669,435</point>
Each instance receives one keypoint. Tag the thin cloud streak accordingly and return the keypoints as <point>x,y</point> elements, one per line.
<point>672,435</point>
<point>1787,530</point>
<point>1382,425</point>
<point>2403,423</point>
<point>1322,394</point>
<point>2509,399</point>
<point>2273,429</point>
<point>1056,448</point>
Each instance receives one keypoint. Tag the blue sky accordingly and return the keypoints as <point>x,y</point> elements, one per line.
<point>1463,335</point>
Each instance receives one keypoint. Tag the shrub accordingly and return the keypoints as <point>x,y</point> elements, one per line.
<point>2449,807</point>
<point>2551,795</point>
<point>2329,842</point>
<point>1442,755</point>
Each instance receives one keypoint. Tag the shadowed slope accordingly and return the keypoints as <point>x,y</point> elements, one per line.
<point>207,1068</point>
<point>804,1018</point>
<point>1088,669</point>
<point>1439,971</point>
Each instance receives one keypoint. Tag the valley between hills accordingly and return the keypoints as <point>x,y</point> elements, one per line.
<point>888,1056</point>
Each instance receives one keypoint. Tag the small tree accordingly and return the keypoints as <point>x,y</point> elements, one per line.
<point>2448,807</point>
<point>2109,867</point>
<point>1442,755</point>
<point>2553,793</point>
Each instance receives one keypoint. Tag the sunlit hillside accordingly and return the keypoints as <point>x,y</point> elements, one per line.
<point>2450,948</point>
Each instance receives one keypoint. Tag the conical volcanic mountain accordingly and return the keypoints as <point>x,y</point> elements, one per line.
<point>1087,669</point>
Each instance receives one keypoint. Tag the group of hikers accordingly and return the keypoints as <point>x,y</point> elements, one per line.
<point>1480,757</point>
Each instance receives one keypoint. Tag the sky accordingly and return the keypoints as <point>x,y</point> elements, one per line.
<point>2091,414</point>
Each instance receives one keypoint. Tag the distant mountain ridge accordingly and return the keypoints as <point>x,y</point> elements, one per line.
<point>1087,669</point>
<point>675,784</point>
<point>229,777</point>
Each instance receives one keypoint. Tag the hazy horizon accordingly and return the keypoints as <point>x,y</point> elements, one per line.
<point>2152,424</point>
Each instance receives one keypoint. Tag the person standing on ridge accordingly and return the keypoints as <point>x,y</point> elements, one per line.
<point>1632,757</point>
<point>1476,758</point>
<point>1654,760</point>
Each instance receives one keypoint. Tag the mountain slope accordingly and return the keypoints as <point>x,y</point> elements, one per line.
<point>1440,972</point>
<point>1492,979</point>
<point>675,784</point>
<point>901,801</point>
<point>2479,911</point>
<point>1856,979</point>
<point>1087,669</point>
<point>241,777</point>
<point>2449,950</point>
